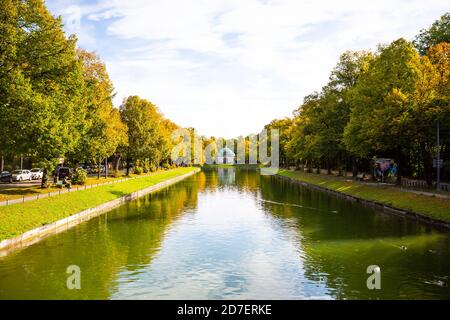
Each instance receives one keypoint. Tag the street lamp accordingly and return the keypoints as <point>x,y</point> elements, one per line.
<point>438,160</point>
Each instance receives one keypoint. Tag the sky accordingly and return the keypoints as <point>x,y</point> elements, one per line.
<point>229,67</point>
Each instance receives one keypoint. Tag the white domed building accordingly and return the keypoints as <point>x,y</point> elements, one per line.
<point>225,156</point>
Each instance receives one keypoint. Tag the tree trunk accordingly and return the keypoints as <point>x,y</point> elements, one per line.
<point>309,166</point>
<point>427,166</point>
<point>354,167</point>
<point>401,169</point>
<point>116,162</point>
<point>128,167</point>
<point>106,168</point>
<point>98,167</point>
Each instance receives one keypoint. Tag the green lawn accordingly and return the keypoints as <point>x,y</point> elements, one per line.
<point>427,205</point>
<point>19,218</point>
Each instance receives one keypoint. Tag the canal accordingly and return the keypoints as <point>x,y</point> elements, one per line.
<point>233,234</point>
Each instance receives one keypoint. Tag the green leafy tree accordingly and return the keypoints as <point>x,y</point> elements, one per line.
<point>393,107</point>
<point>105,131</point>
<point>146,138</point>
<point>285,129</point>
<point>318,131</point>
<point>42,89</point>
<point>438,32</point>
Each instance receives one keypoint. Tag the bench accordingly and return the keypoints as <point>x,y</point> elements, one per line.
<point>360,177</point>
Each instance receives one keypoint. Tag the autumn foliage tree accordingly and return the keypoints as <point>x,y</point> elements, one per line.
<point>381,104</point>
<point>149,134</point>
<point>56,100</point>
<point>104,130</point>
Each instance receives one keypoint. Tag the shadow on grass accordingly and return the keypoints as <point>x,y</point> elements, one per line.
<point>24,191</point>
<point>118,194</point>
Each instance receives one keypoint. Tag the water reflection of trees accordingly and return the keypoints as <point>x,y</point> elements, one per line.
<point>124,240</point>
<point>242,180</point>
<point>336,242</point>
<point>341,239</point>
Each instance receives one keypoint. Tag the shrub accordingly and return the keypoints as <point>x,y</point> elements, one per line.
<point>116,174</point>
<point>153,168</point>
<point>146,166</point>
<point>79,176</point>
<point>166,166</point>
<point>138,170</point>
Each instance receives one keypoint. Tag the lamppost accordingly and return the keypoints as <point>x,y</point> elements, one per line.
<point>438,161</point>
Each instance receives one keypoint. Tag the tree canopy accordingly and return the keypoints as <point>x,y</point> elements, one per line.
<point>56,100</point>
<point>379,104</point>
<point>438,32</point>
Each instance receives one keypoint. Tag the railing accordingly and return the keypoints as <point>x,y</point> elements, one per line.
<point>422,184</point>
<point>411,183</point>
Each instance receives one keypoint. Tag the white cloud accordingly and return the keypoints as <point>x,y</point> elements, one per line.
<point>229,67</point>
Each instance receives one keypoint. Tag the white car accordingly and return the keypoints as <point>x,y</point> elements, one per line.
<point>21,175</point>
<point>36,174</point>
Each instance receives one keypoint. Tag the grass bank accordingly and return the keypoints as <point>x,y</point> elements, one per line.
<point>433,207</point>
<point>19,218</point>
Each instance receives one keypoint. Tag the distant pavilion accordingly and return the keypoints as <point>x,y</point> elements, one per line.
<point>225,156</point>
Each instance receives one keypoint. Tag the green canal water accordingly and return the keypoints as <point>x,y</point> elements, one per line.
<point>233,234</point>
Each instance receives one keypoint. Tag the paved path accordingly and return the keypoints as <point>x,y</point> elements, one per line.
<point>22,184</point>
<point>386,185</point>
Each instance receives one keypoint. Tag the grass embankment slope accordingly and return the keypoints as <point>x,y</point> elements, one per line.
<point>433,207</point>
<point>19,218</point>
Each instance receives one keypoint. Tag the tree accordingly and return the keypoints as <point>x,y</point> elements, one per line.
<point>145,136</point>
<point>348,70</point>
<point>392,108</point>
<point>438,32</point>
<point>105,131</point>
<point>318,131</point>
<point>439,56</point>
<point>167,128</point>
<point>285,129</point>
<point>41,81</point>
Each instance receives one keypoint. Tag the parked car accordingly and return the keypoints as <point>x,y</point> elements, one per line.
<point>82,167</point>
<point>21,175</point>
<point>36,174</point>
<point>63,172</point>
<point>6,176</point>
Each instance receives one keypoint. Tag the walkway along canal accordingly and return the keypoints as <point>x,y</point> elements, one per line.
<point>229,233</point>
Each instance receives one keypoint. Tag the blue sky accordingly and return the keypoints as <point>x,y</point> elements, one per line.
<point>228,68</point>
